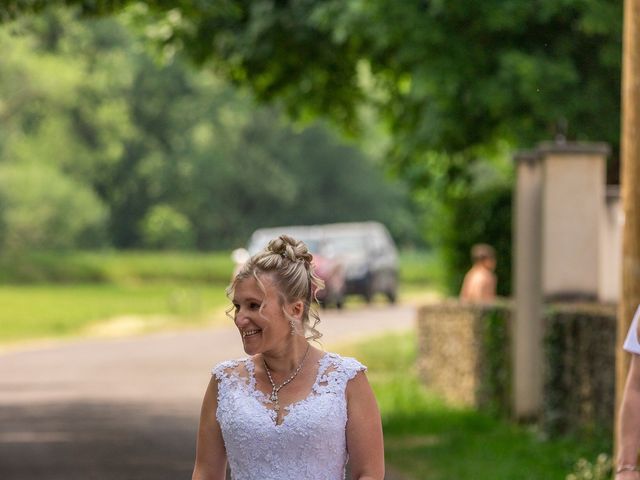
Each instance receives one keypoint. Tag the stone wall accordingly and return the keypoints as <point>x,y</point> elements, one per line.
<point>464,353</point>
<point>465,356</point>
<point>579,391</point>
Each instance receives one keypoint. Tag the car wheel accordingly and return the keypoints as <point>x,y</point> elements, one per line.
<point>392,296</point>
<point>368,293</point>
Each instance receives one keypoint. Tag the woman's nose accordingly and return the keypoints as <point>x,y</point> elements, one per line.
<point>241,319</point>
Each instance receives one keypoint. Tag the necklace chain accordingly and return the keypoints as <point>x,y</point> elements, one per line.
<point>275,389</point>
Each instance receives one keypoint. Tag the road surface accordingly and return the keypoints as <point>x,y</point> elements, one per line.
<point>127,409</point>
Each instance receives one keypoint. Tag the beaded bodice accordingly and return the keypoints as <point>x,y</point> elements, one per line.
<point>309,443</point>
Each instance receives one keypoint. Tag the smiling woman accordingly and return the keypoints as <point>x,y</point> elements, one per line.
<point>288,410</point>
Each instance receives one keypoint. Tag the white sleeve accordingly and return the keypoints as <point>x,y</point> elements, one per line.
<point>631,343</point>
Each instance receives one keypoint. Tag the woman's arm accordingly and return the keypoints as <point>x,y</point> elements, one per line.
<point>629,422</point>
<point>211,458</point>
<point>364,431</point>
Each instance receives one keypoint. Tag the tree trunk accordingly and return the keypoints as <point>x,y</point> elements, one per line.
<point>630,179</point>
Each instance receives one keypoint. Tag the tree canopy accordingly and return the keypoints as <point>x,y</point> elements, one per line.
<point>101,143</point>
<point>444,91</point>
<point>449,77</point>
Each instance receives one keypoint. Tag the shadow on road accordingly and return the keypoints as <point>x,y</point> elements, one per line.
<point>85,441</point>
<point>91,441</point>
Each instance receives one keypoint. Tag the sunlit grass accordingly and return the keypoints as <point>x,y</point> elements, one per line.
<point>115,267</point>
<point>46,311</point>
<point>52,295</point>
<point>420,267</point>
<point>427,439</point>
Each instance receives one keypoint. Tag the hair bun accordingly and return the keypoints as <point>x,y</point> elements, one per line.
<point>291,249</point>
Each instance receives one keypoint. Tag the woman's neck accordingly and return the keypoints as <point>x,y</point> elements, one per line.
<point>288,357</point>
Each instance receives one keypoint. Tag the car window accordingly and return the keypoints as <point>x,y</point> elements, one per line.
<point>259,242</point>
<point>346,244</point>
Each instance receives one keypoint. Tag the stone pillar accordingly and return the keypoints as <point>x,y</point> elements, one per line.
<point>610,261</point>
<point>574,182</point>
<point>527,333</point>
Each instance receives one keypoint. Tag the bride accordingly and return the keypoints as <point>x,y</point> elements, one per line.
<point>288,410</point>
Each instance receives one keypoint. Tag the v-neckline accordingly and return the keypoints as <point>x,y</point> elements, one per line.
<point>263,398</point>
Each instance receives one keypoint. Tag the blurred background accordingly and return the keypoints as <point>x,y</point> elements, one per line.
<point>142,142</point>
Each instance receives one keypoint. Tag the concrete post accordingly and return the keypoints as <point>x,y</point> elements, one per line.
<point>527,331</point>
<point>574,182</point>
<point>610,268</point>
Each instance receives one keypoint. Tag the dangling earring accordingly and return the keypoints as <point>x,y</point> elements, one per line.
<point>293,327</point>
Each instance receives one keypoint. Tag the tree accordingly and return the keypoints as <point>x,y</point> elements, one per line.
<point>630,174</point>
<point>150,136</point>
<point>44,209</point>
<point>444,76</point>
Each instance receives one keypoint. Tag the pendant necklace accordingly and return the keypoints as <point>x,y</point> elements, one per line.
<point>275,388</point>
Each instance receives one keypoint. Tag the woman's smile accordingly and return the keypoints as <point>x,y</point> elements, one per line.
<point>259,315</point>
<point>250,333</point>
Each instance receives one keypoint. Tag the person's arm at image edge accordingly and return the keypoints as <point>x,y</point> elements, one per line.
<point>364,431</point>
<point>211,458</point>
<point>629,422</point>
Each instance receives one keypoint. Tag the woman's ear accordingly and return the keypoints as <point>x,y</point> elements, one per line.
<point>296,309</point>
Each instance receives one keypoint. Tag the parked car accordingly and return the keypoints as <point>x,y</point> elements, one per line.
<point>330,270</point>
<point>364,252</point>
<point>369,255</point>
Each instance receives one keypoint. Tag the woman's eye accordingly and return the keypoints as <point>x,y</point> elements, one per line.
<point>254,306</point>
<point>236,307</point>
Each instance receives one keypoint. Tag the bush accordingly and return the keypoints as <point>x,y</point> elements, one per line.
<point>470,217</point>
<point>585,470</point>
<point>579,393</point>
<point>43,208</point>
<point>165,228</point>
<point>116,267</point>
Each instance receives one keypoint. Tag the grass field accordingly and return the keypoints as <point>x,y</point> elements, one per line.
<point>427,439</point>
<point>47,295</point>
<point>53,311</point>
<point>115,267</point>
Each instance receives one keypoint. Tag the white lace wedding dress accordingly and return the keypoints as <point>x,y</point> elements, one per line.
<point>309,443</point>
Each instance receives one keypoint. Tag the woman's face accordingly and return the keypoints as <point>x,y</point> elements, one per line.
<point>259,317</point>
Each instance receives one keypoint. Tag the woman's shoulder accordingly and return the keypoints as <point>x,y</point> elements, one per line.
<point>348,366</point>
<point>229,368</point>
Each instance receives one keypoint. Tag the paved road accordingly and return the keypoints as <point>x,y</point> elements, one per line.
<point>127,409</point>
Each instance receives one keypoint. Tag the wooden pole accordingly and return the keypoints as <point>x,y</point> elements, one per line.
<point>630,180</point>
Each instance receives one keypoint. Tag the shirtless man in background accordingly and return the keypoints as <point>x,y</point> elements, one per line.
<point>479,283</point>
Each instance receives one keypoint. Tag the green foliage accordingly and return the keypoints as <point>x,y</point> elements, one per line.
<point>497,381</point>
<point>88,293</point>
<point>133,267</point>
<point>579,385</point>
<point>49,267</point>
<point>449,81</point>
<point>52,311</point>
<point>425,438</point>
<point>43,208</point>
<point>90,103</point>
<point>444,76</point>
<point>130,267</point>
<point>420,267</point>
<point>585,470</point>
<point>473,216</point>
<point>165,228</point>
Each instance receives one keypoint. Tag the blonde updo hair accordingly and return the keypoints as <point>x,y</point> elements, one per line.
<point>289,263</point>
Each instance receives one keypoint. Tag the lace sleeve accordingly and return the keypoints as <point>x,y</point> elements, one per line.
<point>352,367</point>
<point>225,371</point>
<point>336,373</point>
<point>222,369</point>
